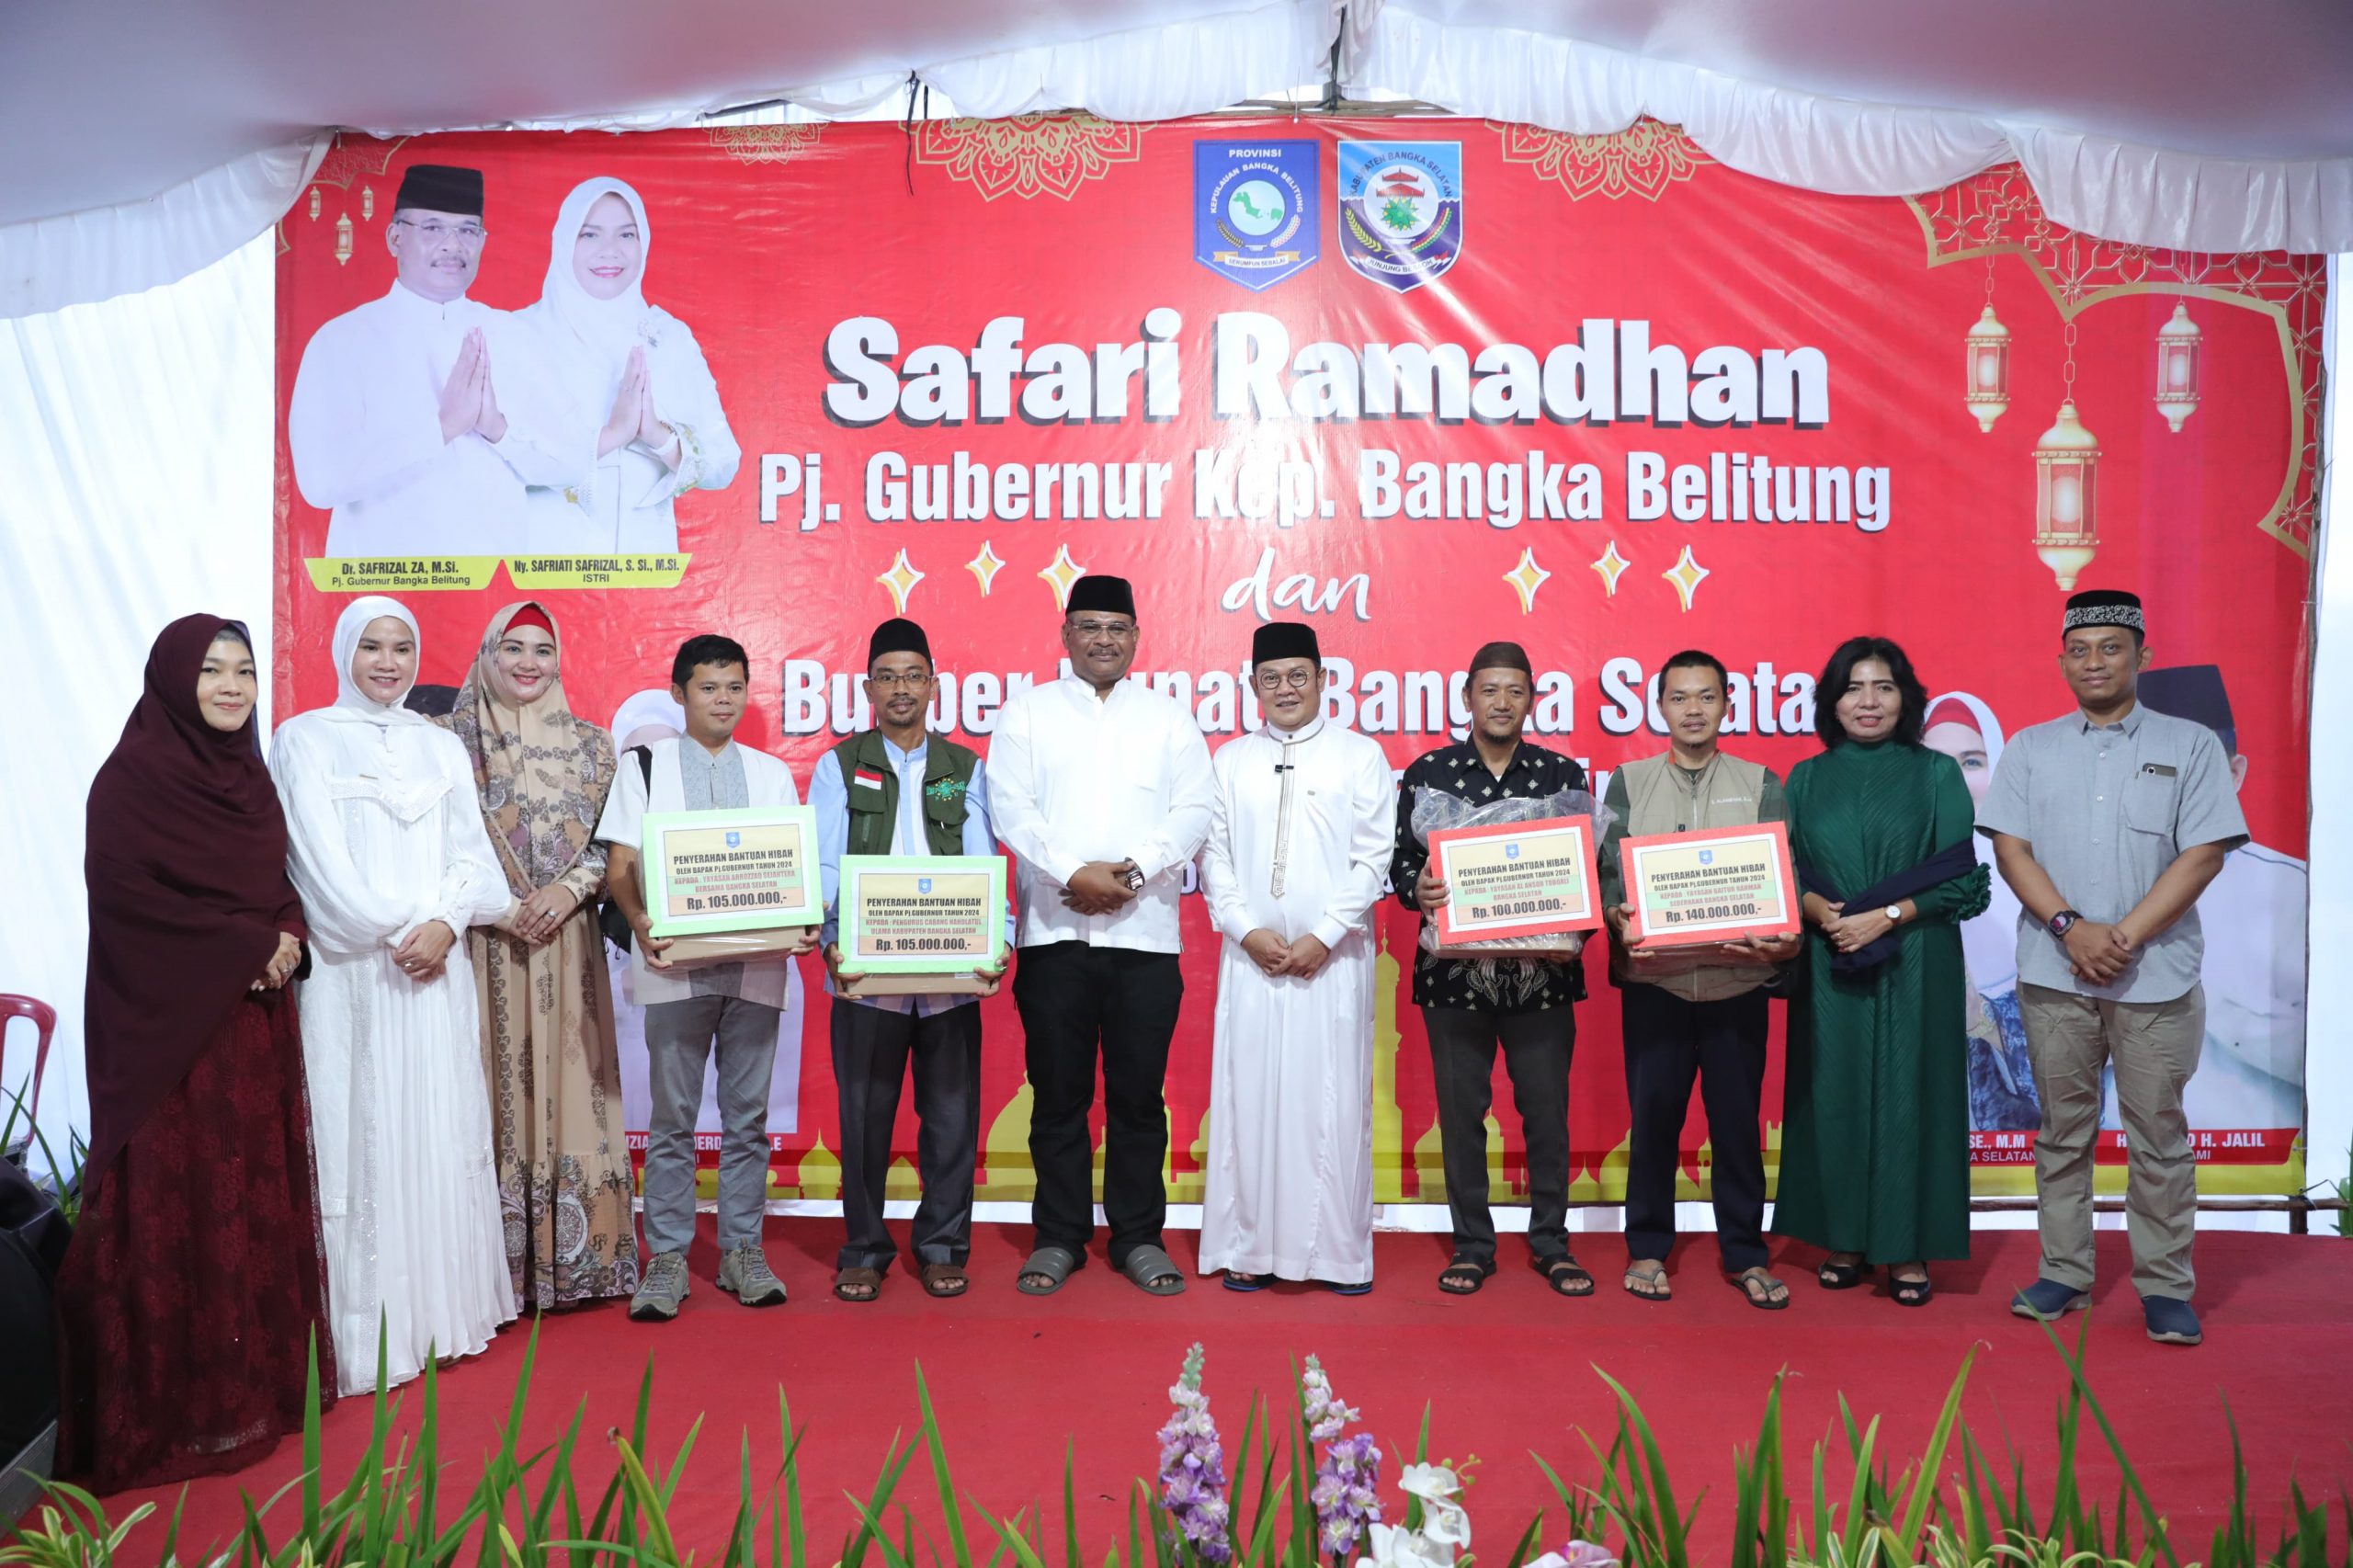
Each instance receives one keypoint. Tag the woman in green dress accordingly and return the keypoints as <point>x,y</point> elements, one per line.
<point>1875,1141</point>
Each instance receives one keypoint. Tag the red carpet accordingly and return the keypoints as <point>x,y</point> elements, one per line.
<point>1506,1371</point>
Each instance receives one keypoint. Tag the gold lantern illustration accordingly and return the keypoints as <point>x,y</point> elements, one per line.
<point>343,239</point>
<point>314,204</point>
<point>367,203</point>
<point>1989,369</point>
<point>2066,499</point>
<point>2178,344</point>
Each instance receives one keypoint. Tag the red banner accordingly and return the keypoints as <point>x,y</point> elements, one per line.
<point>1423,383</point>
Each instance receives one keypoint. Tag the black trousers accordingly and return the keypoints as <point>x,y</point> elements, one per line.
<point>1079,1004</point>
<point>872,1047</point>
<point>1669,1041</point>
<point>1537,1047</point>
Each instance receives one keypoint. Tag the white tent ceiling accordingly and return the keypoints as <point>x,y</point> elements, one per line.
<point>166,133</point>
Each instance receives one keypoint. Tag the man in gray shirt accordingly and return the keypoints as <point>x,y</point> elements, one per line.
<point>2108,824</point>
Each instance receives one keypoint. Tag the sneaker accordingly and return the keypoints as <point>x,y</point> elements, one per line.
<point>2171,1320</point>
<point>2047,1300</point>
<point>744,1270</point>
<point>666,1286</point>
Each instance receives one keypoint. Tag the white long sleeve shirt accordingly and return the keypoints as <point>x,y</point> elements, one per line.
<point>364,429</point>
<point>1074,777</point>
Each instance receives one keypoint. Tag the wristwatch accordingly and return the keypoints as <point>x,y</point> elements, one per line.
<point>1894,912</point>
<point>1133,877</point>
<point>2059,922</point>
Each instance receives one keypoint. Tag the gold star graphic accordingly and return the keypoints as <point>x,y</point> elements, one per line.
<point>901,579</point>
<point>985,567</point>
<point>1061,574</point>
<point>1524,579</point>
<point>1611,567</point>
<point>1684,574</point>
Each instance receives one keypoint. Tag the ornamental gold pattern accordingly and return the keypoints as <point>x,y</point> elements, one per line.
<point>767,143</point>
<point>1028,156</point>
<point>1645,159</point>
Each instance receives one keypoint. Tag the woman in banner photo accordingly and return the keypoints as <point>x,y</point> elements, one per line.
<point>2001,1076</point>
<point>547,1013</point>
<point>194,1287</point>
<point>1875,1139</point>
<point>635,367</point>
<point>388,851</point>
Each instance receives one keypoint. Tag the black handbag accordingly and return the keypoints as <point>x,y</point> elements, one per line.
<point>609,918</point>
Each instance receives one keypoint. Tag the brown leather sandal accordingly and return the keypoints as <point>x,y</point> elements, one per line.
<point>945,1279</point>
<point>859,1285</point>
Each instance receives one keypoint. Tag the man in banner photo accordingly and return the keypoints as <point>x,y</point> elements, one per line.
<point>2108,824</point>
<point>1298,849</point>
<point>417,418</point>
<point>2251,1076</point>
<point>1695,1011</point>
<point>898,789</point>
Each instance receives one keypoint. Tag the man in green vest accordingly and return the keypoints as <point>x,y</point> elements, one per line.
<point>1695,1011</point>
<point>898,789</point>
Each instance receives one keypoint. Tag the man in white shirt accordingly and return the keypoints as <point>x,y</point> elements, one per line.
<point>727,1008</point>
<point>1102,788</point>
<point>898,789</point>
<point>1298,855</point>
<point>396,423</point>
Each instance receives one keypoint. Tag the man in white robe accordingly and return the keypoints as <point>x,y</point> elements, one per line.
<point>397,423</point>
<point>1297,855</point>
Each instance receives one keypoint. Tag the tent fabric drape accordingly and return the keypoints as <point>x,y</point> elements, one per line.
<point>1164,59</point>
<point>2114,189</point>
<point>47,263</point>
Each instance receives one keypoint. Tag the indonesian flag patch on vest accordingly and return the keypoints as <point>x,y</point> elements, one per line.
<point>866,777</point>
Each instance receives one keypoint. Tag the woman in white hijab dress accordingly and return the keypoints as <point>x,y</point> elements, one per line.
<point>633,366</point>
<point>387,848</point>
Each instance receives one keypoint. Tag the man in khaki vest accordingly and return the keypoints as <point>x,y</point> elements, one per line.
<point>1696,1011</point>
<point>898,789</point>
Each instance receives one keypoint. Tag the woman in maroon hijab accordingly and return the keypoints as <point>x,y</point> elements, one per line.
<point>195,1282</point>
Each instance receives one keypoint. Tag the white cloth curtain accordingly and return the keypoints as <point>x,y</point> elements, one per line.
<point>49,263</point>
<point>135,435</point>
<point>2144,194</point>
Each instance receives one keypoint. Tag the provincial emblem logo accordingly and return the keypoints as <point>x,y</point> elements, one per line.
<point>1401,210</point>
<point>1254,209</point>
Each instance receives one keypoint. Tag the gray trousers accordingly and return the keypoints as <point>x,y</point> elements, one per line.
<point>2154,1048</point>
<point>680,1038</point>
<point>1537,1047</point>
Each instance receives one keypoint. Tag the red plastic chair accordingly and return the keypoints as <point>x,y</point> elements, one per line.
<point>44,1022</point>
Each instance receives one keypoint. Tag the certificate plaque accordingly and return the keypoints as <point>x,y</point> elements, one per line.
<point>729,885</point>
<point>1516,879</point>
<point>1710,885</point>
<point>920,924</point>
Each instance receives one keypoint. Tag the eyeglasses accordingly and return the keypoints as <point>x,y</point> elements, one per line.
<point>889,682</point>
<point>433,233</point>
<point>1298,680</point>
<point>1104,628</point>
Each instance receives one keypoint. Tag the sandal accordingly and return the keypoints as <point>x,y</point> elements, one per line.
<point>1563,1273</point>
<point>1758,1286</point>
<point>945,1279</point>
<point>1464,1275</point>
<point>1911,1292</point>
<point>1835,1275</point>
<point>1363,1288</point>
<point>1237,1280</point>
<point>1053,1265</point>
<point>1154,1271</point>
<point>860,1285</point>
<point>1651,1274</point>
